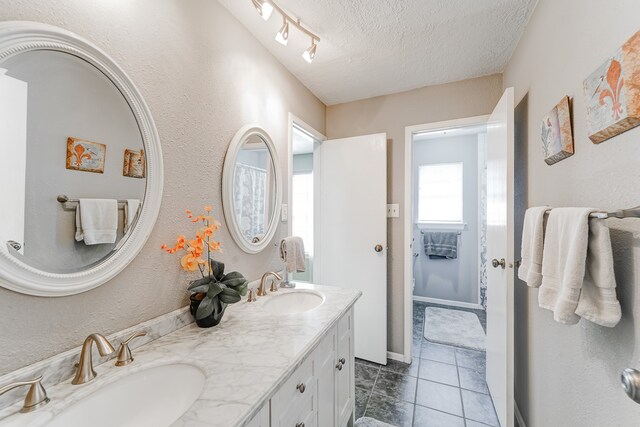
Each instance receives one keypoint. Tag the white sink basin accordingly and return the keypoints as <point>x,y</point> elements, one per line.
<point>294,302</point>
<point>153,397</point>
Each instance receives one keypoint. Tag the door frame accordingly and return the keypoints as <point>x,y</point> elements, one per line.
<point>407,207</point>
<point>298,122</point>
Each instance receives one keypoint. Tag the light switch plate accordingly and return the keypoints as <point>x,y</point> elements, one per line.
<point>284,213</point>
<point>393,211</point>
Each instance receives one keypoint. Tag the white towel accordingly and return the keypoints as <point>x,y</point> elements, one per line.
<point>530,270</point>
<point>130,214</point>
<point>292,253</point>
<point>564,261</point>
<point>97,221</point>
<point>598,302</point>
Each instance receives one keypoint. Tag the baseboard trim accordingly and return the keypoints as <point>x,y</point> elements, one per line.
<point>519,418</point>
<point>397,356</point>
<point>448,302</point>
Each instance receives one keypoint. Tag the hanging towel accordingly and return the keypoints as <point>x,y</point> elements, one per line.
<point>564,262</point>
<point>130,214</point>
<point>292,253</point>
<point>598,302</point>
<point>96,221</point>
<point>441,245</point>
<point>530,270</point>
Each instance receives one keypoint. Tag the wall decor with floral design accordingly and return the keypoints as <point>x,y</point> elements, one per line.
<point>612,93</point>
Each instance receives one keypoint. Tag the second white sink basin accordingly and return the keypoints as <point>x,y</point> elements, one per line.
<point>154,397</point>
<point>294,302</point>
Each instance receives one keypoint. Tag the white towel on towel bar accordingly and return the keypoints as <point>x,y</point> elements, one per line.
<point>563,262</point>
<point>577,269</point>
<point>530,270</point>
<point>97,221</point>
<point>598,301</point>
<point>292,253</point>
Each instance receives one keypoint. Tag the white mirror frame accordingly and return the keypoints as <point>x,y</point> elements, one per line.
<point>18,37</point>
<point>227,188</point>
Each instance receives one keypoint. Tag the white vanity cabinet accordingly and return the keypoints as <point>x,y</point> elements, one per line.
<point>321,391</point>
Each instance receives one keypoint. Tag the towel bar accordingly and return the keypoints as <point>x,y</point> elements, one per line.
<point>622,213</point>
<point>63,199</point>
<point>459,233</point>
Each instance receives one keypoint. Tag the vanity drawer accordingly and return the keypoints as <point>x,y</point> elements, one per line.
<point>296,398</point>
<point>303,413</point>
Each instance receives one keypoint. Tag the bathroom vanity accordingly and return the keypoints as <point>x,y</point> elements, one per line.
<point>284,360</point>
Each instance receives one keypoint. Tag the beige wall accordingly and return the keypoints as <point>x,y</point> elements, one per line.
<point>569,375</point>
<point>203,76</point>
<point>391,114</point>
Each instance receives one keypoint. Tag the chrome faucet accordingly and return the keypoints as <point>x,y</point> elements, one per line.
<point>85,372</point>
<point>261,292</point>
<point>36,396</point>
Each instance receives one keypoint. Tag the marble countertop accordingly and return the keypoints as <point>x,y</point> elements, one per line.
<point>246,358</point>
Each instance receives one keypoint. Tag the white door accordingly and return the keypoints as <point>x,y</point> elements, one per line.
<point>500,181</point>
<point>13,157</point>
<point>351,232</point>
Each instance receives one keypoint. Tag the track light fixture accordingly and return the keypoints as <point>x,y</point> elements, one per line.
<point>283,35</point>
<point>266,7</point>
<point>310,53</point>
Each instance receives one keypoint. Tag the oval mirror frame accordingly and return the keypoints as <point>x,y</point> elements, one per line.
<point>18,37</point>
<point>227,188</point>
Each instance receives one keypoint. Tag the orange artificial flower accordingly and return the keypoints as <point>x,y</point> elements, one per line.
<point>195,248</point>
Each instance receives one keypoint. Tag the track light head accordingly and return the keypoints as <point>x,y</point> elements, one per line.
<point>283,35</point>
<point>264,8</point>
<point>310,53</point>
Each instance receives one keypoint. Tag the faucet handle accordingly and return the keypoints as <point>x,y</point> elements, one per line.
<point>124,353</point>
<point>251,297</point>
<point>36,396</point>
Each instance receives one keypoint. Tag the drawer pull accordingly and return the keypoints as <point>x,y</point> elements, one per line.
<point>339,366</point>
<point>300,425</point>
<point>343,361</point>
<point>301,388</point>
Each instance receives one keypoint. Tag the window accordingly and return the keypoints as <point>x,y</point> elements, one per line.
<point>440,193</point>
<point>302,209</point>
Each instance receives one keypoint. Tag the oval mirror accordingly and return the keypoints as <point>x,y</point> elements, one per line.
<point>82,154</point>
<point>251,189</point>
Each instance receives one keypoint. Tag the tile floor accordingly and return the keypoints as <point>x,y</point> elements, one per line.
<point>443,387</point>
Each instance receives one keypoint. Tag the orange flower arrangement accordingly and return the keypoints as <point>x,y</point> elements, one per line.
<point>195,248</point>
<point>215,290</point>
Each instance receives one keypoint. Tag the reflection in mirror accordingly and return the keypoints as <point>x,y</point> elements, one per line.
<point>70,132</point>
<point>254,189</point>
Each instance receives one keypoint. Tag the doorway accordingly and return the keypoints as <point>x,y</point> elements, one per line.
<point>443,186</point>
<point>303,139</point>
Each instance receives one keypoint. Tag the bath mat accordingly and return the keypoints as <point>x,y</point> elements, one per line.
<point>454,327</point>
<point>370,422</point>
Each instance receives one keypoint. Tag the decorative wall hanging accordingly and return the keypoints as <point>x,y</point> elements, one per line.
<point>612,93</point>
<point>556,134</point>
<point>85,155</point>
<point>134,164</point>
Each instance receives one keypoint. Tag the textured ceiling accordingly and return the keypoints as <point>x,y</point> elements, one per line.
<point>378,47</point>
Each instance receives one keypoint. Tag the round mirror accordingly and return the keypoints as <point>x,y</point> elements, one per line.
<point>80,150</point>
<point>251,189</point>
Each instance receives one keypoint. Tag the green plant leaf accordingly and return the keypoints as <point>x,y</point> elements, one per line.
<point>229,296</point>
<point>233,283</point>
<point>234,280</point>
<point>217,269</point>
<point>200,285</point>
<point>233,275</point>
<point>242,289</point>
<point>214,290</point>
<point>205,308</point>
